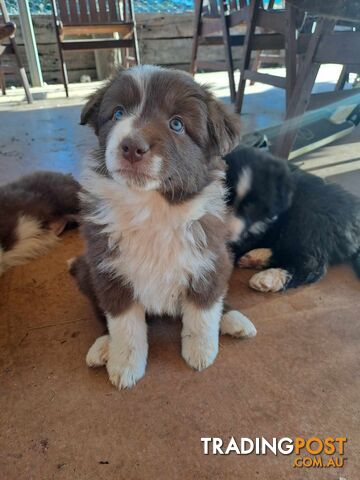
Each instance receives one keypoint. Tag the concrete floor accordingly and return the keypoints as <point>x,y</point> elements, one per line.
<point>58,419</point>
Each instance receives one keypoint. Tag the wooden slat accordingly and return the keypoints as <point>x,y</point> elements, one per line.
<point>84,14</point>
<point>274,20</point>
<point>8,69</point>
<point>209,26</point>
<point>157,25</point>
<point>322,99</point>
<point>261,41</point>
<point>339,47</point>
<point>6,49</point>
<point>103,17</point>
<point>126,16</point>
<point>94,14</point>
<point>114,14</point>
<point>216,66</point>
<point>273,80</point>
<point>214,7</point>
<point>94,43</point>
<point>74,17</point>
<point>123,28</point>
<point>63,11</point>
<point>238,17</point>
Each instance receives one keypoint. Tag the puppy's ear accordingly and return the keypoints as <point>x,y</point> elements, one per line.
<point>280,185</point>
<point>90,111</point>
<point>223,126</point>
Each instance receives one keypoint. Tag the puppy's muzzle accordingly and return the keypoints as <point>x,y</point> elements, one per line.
<point>133,149</point>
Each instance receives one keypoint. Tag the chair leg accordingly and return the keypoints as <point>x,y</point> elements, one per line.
<point>64,71</point>
<point>2,83</point>
<point>257,62</point>
<point>228,53</point>
<point>343,78</point>
<point>195,42</point>
<point>246,56</point>
<point>26,85</point>
<point>22,72</point>
<point>135,38</point>
<point>290,51</point>
<point>123,57</point>
<point>136,50</point>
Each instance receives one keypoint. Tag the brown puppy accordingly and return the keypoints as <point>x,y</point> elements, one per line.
<point>34,211</point>
<point>154,217</point>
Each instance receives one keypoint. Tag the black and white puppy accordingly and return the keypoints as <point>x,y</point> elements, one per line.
<point>34,211</point>
<point>287,221</point>
<point>154,216</point>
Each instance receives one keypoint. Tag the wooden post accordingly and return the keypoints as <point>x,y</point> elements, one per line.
<point>30,44</point>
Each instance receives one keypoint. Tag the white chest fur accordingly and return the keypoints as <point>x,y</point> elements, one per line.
<point>158,247</point>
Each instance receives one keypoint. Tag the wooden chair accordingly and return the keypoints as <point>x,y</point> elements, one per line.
<point>215,24</point>
<point>95,17</point>
<point>347,69</point>
<point>283,23</point>
<point>325,45</point>
<point>12,49</point>
<point>217,17</point>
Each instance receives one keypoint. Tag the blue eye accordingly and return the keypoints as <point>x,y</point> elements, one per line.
<point>176,124</point>
<point>119,113</point>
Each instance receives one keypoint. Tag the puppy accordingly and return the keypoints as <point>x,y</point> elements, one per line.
<point>34,211</point>
<point>154,217</point>
<point>287,221</point>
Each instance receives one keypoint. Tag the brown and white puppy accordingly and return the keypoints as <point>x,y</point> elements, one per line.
<point>34,211</point>
<point>154,217</point>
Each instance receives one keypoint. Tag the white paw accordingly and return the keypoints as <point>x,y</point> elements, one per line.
<point>237,325</point>
<point>270,280</point>
<point>126,367</point>
<point>257,258</point>
<point>98,353</point>
<point>199,351</point>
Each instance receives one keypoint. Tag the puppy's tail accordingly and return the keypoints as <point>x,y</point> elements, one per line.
<point>356,263</point>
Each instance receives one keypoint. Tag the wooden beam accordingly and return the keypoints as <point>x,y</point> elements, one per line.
<point>339,47</point>
<point>96,29</point>
<point>30,44</point>
<point>93,43</point>
<point>274,80</point>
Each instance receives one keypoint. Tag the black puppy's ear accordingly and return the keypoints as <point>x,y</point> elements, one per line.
<point>223,126</point>
<point>280,185</point>
<point>90,111</point>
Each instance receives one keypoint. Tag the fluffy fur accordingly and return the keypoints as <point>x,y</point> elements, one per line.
<point>289,221</point>
<point>35,210</point>
<point>155,217</point>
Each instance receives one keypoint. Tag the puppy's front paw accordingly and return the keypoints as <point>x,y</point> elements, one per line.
<point>98,353</point>
<point>237,325</point>
<point>257,258</point>
<point>271,280</point>
<point>126,367</point>
<point>199,351</point>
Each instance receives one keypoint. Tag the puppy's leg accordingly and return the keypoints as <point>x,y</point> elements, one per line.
<point>200,333</point>
<point>98,353</point>
<point>270,280</point>
<point>301,270</point>
<point>258,258</point>
<point>125,349</point>
<point>310,269</point>
<point>79,269</point>
<point>128,346</point>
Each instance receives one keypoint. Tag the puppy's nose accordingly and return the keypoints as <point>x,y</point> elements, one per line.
<point>133,149</point>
